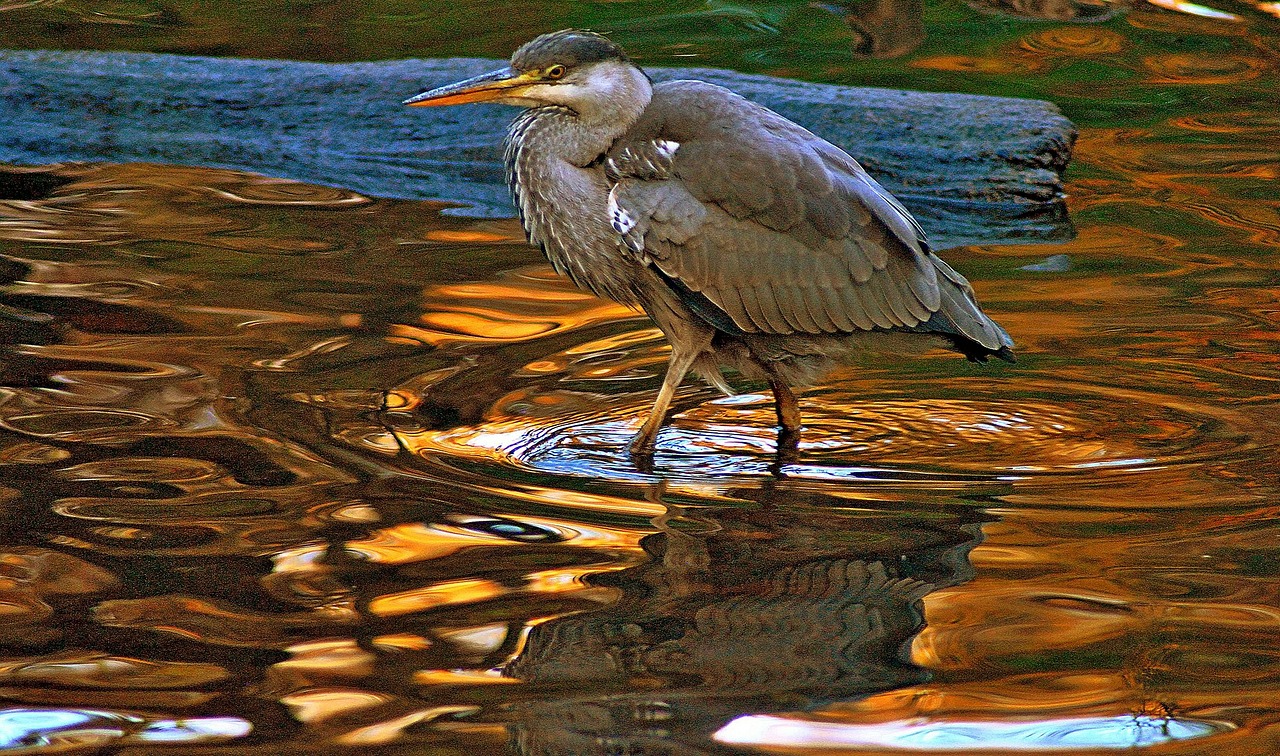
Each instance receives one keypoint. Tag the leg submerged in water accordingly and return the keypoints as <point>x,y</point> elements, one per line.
<point>787,405</point>
<point>677,368</point>
<point>788,420</point>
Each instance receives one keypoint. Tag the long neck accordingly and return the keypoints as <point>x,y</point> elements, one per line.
<point>552,157</point>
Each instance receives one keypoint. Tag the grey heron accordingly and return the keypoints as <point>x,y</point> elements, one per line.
<point>752,243</point>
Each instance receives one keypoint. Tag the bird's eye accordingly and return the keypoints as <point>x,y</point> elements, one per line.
<point>556,72</point>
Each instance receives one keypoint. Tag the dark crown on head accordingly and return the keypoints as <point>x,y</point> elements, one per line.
<point>568,47</point>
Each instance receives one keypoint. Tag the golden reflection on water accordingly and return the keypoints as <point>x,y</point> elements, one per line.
<point>521,305</point>
<point>412,511</point>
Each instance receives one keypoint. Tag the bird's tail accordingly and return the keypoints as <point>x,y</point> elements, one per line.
<point>963,322</point>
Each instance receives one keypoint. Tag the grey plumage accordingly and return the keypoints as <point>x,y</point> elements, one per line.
<point>751,242</point>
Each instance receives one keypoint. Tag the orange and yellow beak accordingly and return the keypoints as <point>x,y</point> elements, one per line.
<point>490,86</point>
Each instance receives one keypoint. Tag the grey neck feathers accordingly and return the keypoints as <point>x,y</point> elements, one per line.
<point>563,197</point>
<point>561,190</point>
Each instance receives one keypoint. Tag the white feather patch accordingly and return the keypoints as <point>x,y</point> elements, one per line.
<point>619,218</point>
<point>666,148</point>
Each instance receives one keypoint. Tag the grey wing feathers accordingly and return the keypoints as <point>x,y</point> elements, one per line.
<point>780,230</point>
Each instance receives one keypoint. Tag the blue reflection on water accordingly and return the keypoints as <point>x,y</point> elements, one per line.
<point>30,728</point>
<point>1049,734</point>
<point>187,730</point>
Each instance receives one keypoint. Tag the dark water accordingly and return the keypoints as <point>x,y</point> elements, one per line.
<point>285,469</point>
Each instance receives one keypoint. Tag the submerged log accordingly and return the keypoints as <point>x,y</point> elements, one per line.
<point>974,169</point>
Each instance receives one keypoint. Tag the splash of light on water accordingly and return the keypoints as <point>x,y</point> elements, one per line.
<point>1121,732</point>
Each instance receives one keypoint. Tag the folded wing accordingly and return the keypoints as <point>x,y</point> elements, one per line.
<point>764,228</point>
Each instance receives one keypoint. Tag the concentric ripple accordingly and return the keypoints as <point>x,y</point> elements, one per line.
<point>1023,433</point>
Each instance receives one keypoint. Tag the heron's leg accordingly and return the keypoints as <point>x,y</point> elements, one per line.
<point>788,423</point>
<point>787,406</point>
<point>677,368</point>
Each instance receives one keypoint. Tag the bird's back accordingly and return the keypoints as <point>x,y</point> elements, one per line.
<point>763,228</point>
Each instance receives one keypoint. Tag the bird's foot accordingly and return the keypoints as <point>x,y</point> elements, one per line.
<point>641,451</point>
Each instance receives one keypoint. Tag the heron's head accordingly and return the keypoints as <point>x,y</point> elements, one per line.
<point>579,70</point>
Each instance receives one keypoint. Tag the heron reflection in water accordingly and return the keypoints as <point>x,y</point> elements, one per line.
<point>752,243</point>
